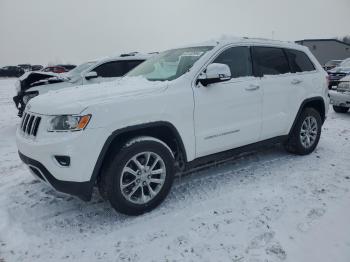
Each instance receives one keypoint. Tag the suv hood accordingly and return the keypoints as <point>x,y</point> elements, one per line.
<point>74,100</point>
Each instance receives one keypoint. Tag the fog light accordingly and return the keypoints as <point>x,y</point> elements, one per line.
<point>63,160</point>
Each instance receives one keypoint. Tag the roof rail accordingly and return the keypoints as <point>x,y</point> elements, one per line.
<point>129,54</point>
<point>266,39</point>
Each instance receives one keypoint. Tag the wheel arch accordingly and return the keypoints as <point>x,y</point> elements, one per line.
<point>314,102</point>
<point>162,130</point>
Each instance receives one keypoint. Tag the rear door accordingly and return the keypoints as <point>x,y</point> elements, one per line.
<point>271,64</point>
<point>305,78</point>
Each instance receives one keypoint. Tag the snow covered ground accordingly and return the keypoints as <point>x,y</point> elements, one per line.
<point>268,206</point>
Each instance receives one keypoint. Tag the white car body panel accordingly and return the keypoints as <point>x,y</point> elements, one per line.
<point>340,99</point>
<point>341,96</point>
<point>233,122</point>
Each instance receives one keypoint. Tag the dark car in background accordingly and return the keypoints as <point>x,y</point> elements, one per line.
<point>68,67</point>
<point>331,64</point>
<point>11,71</point>
<point>55,69</point>
<point>37,67</point>
<point>25,67</point>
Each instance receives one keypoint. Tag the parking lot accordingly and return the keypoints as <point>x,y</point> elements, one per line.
<point>267,206</point>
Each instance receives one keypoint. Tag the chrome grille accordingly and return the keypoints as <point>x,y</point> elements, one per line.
<point>30,124</point>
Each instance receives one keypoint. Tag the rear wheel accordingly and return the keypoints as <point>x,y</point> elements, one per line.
<point>340,109</point>
<point>306,133</point>
<point>139,177</point>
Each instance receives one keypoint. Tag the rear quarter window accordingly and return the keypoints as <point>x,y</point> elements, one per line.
<point>299,61</point>
<point>269,61</point>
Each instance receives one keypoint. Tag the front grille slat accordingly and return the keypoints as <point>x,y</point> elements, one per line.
<point>30,124</point>
<point>32,127</point>
<point>36,126</point>
<point>25,123</point>
<point>23,118</point>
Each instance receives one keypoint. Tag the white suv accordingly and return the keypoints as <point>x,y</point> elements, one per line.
<point>107,69</point>
<point>179,109</point>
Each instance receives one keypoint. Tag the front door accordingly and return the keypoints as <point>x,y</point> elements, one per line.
<point>228,114</point>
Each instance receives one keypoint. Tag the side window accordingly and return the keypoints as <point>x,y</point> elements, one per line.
<point>110,69</point>
<point>270,61</point>
<point>299,61</point>
<point>132,64</point>
<point>238,59</point>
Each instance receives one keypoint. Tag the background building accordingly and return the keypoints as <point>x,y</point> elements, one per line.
<point>327,49</point>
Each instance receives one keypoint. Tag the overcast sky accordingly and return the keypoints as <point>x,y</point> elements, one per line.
<point>42,31</point>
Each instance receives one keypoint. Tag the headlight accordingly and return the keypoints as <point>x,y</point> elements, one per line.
<point>68,123</point>
<point>27,97</point>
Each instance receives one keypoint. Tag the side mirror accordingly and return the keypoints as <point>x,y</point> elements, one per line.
<point>215,73</point>
<point>91,75</point>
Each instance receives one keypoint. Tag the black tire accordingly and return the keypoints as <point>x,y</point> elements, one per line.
<point>341,109</point>
<point>294,143</point>
<point>110,181</point>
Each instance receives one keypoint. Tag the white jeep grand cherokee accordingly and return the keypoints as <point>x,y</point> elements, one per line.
<point>180,109</point>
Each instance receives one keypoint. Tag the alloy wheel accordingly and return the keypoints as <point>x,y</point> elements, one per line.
<point>308,132</point>
<point>143,177</point>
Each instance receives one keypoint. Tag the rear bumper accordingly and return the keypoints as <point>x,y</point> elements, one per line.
<point>83,190</point>
<point>340,99</point>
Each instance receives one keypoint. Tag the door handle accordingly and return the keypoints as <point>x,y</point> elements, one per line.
<point>296,81</point>
<point>252,87</point>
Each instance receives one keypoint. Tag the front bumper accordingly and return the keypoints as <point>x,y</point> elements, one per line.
<point>83,148</point>
<point>340,98</point>
<point>83,190</point>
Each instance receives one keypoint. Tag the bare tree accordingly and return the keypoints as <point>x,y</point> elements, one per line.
<point>345,39</point>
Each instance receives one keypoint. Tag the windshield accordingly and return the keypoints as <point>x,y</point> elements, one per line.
<point>170,64</point>
<point>80,68</point>
<point>345,63</point>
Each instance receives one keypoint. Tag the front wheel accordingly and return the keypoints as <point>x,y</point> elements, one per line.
<point>140,176</point>
<point>306,133</point>
<point>340,109</point>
